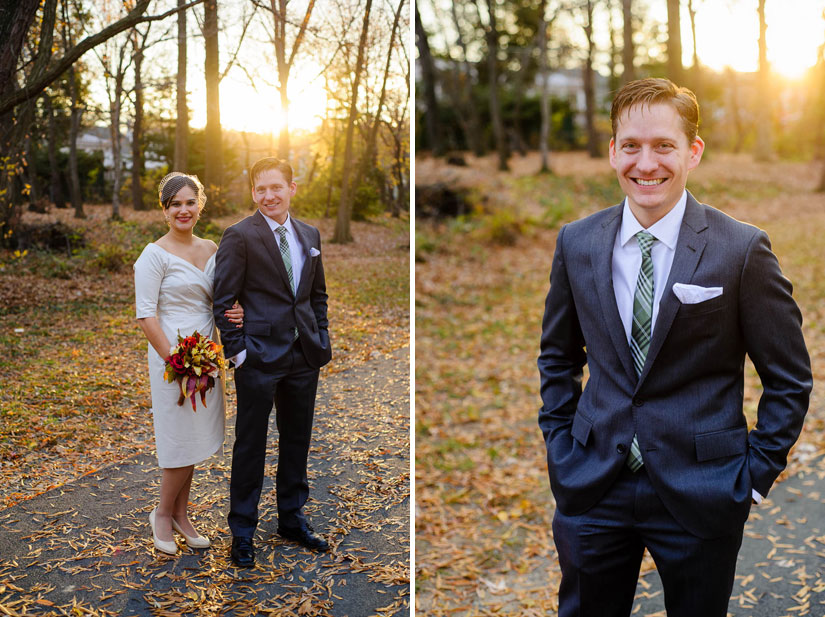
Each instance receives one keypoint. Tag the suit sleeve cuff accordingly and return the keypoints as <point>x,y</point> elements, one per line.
<point>238,358</point>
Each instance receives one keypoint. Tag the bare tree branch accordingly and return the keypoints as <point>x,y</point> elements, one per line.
<point>135,16</point>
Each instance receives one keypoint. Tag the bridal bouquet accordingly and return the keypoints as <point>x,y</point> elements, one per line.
<point>194,363</point>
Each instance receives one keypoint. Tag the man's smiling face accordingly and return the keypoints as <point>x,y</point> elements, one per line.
<point>652,157</point>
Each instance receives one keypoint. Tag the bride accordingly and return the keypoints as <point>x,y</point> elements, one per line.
<point>173,294</point>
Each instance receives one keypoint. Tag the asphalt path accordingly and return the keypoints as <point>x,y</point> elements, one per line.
<point>780,570</point>
<point>85,548</point>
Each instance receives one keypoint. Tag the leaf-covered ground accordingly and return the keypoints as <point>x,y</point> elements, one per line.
<point>85,547</point>
<point>484,544</point>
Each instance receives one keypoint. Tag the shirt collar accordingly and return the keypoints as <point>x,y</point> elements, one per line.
<point>665,230</point>
<point>274,225</point>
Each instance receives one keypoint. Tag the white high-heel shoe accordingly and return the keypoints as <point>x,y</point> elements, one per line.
<point>168,547</point>
<point>197,541</point>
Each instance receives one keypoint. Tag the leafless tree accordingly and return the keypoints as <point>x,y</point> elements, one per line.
<point>674,42</point>
<point>428,76</point>
<point>491,37</point>
<point>213,163</point>
<point>182,119</point>
<point>628,49</point>
<point>342,223</point>
<point>593,142</point>
<point>285,57</point>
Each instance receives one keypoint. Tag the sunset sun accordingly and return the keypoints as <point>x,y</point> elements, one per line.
<point>728,32</point>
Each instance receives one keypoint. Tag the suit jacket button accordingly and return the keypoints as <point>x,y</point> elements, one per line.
<point>621,448</point>
<point>637,402</point>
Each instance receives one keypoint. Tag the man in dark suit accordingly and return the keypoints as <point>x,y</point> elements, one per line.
<point>661,297</point>
<point>272,264</point>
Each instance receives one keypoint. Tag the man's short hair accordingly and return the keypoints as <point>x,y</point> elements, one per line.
<point>267,163</point>
<point>658,90</point>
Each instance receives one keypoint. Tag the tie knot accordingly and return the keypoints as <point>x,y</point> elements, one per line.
<point>645,240</point>
<point>281,232</point>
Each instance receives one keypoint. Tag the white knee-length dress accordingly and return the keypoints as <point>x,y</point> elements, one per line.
<point>179,294</point>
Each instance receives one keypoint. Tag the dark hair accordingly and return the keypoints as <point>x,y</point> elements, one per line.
<point>267,163</point>
<point>172,183</point>
<point>658,90</point>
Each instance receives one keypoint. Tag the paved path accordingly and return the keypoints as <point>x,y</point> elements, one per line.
<point>85,548</point>
<point>781,566</point>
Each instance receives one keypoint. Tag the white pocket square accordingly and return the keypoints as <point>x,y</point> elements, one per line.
<point>694,294</point>
<point>313,252</point>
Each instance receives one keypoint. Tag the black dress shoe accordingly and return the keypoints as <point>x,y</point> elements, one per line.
<point>243,552</point>
<point>303,535</point>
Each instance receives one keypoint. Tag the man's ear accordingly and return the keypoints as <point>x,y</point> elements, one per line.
<point>612,151</point>
<point>696,150</point>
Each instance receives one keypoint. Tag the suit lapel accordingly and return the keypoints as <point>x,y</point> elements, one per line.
<point>601,257</point>
<point>268,240</point>
<point>302,231</point>
<point>689,248</point>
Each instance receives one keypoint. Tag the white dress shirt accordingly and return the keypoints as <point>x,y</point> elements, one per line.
<point>627,260</point>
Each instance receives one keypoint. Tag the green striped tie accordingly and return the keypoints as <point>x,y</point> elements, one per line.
<point>640,330</point>
<point>287,257</point>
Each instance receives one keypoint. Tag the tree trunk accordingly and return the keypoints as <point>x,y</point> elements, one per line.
<point>428,76</point>
<point>764,118</point>
<point>342,227</point>
<point>137,132</point>
<point>213,168</point>
<point>55,185</point>
<point>16,19</point>
<point>470,119</point>
<point>628,50</point>
<point>674,42</point>
<point>74,130</point>
<point>332,166</point>
<point>695,69</point>
<point>279,14</point>
<point>372,141</point>
<point>614,49</point>
<point>593,145</point>
<point>114,130</point>
<point>182,121</point>
<point>491,36</point>
<point>544,75</point>
<point>31,172</point>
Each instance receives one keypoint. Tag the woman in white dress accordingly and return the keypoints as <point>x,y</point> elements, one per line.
<point>173,294</point>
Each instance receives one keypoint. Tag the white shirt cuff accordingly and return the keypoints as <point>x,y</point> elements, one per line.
<point>238,358</point>
<point>756,496</point>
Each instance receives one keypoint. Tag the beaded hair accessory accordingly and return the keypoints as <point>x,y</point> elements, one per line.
<point>174,182</point>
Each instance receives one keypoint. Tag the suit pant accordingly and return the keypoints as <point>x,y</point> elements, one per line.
<point>600,553</point>
<point>292,388</point>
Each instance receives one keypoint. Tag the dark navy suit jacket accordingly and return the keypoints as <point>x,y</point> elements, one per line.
<point>249,267</point>
<point>686,407</point>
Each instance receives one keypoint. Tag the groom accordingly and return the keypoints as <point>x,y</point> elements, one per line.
<point>272,264</point>
<point>661,297</point>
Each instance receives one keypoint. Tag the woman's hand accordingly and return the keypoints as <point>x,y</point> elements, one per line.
<point>235,315</point>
